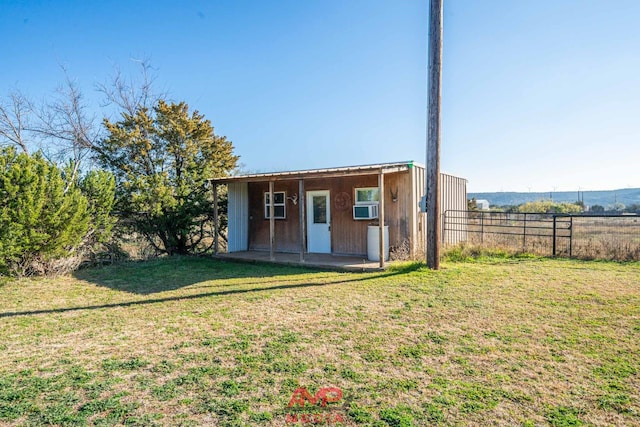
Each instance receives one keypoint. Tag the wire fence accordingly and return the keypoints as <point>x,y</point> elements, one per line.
<point>615,237</point>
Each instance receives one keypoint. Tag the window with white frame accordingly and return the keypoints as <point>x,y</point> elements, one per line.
<point>279,205</point>
<point>367,196</point>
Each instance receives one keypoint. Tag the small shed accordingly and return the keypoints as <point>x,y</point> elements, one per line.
<point>329,211</point>
<point>482,204</point>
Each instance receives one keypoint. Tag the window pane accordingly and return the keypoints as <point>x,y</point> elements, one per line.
<point>367,195</point>
<point>319,209</point>
<point>278,205</point>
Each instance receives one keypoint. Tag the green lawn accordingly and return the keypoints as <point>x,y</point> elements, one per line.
<point>191,341</point>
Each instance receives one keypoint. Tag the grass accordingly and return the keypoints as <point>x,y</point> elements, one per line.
<point>192,341</point>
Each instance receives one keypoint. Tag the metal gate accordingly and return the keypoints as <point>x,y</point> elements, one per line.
<point>581,236</point>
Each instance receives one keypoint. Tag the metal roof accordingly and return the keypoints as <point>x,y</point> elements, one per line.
<point>320,173</point>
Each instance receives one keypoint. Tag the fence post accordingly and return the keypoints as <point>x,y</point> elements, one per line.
<point>570,235</point>
<point>482,227</point>
<point>444,226</point>
<point>524,234</point>
<point>554,235</point>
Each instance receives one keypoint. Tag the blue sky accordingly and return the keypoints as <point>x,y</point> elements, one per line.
<point>537,95</point>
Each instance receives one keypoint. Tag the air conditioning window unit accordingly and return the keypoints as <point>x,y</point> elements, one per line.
<point>365,211</point>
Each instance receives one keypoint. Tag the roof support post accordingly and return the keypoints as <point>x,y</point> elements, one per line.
<point>381,217</point>
<point>216,223</point>
<point>272,224</point>
<point>301,211</point>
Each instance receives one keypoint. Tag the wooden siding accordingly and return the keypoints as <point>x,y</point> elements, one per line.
<point>397,213</point>
<point>348,236</point>
<point>286,230</point>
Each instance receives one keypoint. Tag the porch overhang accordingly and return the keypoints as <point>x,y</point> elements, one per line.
<point>301,176</point>
<point>382,168</point>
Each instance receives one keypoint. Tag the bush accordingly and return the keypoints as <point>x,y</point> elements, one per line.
<point>44,221</point>
<point>548,206</point>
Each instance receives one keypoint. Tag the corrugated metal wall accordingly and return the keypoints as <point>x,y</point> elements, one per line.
<point>453,196</point>
<point>238,213</point>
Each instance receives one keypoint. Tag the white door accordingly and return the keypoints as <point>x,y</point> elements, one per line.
<point>318,222</point>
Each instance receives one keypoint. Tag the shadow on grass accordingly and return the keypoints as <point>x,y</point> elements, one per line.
<point>167,274</point>
<point>245,271</point>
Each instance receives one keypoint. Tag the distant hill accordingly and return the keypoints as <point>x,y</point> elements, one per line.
<point>626,196</point>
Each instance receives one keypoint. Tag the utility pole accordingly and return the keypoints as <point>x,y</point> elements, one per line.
<point>433,134</point>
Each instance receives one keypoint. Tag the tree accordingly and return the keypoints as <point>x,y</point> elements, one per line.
<point>39,220</point>
<point>61,127</point>
<point>633,208</point>
<point>130,93</point>
<point>14,118</point>
<point>548,206</point>
<point>617,207</point>
<point>162,159</point>
<point>99,187</point>
<point>66,128</point>
<point>48,223</point>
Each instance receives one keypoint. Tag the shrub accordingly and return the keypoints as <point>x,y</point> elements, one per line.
<point>548,206</point>
<point>44,220</point>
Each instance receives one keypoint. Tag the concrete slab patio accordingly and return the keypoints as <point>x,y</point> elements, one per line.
<point>328,261</point>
